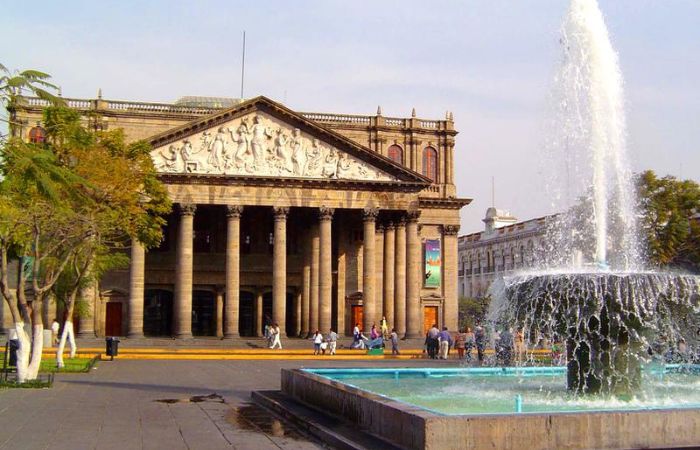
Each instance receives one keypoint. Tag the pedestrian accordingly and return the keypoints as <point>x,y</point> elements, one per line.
<point>384,326</point>
<point>54,331</point>
<point>431,341</point>
<point>469,344</point>
<point>480,340</point>
<point>275,336</point>
<point>332,340</point>
<point>520,346</point>
<point>394,342</point>
<point>317,339</point>
<point>460,344</point>
<point>358,339</point>
<point>445,339</point>
<point>373,334</point>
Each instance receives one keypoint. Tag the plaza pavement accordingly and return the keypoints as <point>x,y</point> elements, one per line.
<point>136,404</point>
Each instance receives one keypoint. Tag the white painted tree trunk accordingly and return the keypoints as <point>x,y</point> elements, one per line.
<point>67,335</point>
<point>22,352</point>
<point>37,349</point>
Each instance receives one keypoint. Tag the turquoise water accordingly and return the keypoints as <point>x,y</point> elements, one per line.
<point>457,391</point>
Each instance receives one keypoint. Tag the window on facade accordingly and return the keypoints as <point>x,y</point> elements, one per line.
<point>37,135</point>
<point>396,154</point>
<point>430,163</point>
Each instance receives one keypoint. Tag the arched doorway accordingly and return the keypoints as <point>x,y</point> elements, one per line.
<point>290,322</point>
<point>203,313</point>
<point>246,317</point>
<point>157,312</point>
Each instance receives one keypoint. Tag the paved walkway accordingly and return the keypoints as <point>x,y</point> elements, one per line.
<point>157,405</point>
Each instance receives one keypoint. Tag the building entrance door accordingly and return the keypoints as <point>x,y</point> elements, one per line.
<point>246,311</point>
<point>430,317</point>
<point>157,312</point>
<point>203,313</point>
<point>113,319</point>
<point>357,316</point>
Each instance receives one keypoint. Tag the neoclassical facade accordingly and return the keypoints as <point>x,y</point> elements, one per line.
<point>504,246</point>
<point>310,220</point>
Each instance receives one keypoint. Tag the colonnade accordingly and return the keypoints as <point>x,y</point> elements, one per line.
<point>395,294</point>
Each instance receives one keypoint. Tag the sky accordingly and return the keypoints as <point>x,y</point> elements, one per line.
<point>490,62</point>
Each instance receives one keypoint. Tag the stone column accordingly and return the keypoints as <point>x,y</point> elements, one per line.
<point>136,288</point>
<point>87,323</point>
<point>389,267</point>
<point>315,262</point>
<point>259,314</point>
<point>449,277</point>
<point>306,288</point>
<point>413,277</point>
<point>325,215</point>
<point>183,273</point>
<point>233,269</point>
<point>379,275</point>
<point>279,269</point>
<point>220,313</point>
<point>400,278</point>
<point>297,315</point>
<point>368,269</point>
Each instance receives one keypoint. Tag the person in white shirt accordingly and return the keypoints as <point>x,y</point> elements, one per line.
<point>54,331</point>
<point>275,332</point>
<point>318,339</point>
<point>332,341</point>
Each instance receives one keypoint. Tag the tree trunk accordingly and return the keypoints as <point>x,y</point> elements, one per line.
<point>67,335</point>
<point>22,352</point>
<point>37,349</point>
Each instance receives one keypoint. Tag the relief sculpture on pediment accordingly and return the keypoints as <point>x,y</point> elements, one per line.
<point>264,147</point>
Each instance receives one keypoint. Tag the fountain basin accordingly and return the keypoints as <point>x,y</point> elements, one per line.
<point>385,403</point>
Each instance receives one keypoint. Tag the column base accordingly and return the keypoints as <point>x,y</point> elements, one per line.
<point>135,335</point>
<point>183,336</point>
<point>87,334</point>
<point>413,335</point>
<point>231,335</point>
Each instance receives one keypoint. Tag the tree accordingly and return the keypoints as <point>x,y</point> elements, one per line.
<point>667,205</point>
<point>120,200</point>
<point>472,310</point>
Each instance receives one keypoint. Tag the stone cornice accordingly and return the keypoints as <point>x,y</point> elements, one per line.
<point>443,203</point>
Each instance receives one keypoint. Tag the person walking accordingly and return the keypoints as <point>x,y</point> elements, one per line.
<point>469,344</point>
<point>431,341</point>
<point>480,340</point>
<point>445,339</point>
<point>332,340</point>
<point>54,331</point>
<point>384,328</point>
<point>317,339</point>
<point>275,336</point>
<point>520,346</point>
<point>460,344</point>
<point>394,342</point>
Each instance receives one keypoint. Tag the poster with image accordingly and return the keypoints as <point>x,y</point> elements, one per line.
<point>433,262</point>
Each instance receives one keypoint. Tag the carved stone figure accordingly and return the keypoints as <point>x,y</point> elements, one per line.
<point>330,165</point>
<point>259,141</point>
<point>314,156</point>
<point>169,159</point>
<point>217,150</point>
<point>280,153</point>
<point>204,139</point>
<point>298,153</point>
<point>186,151</point>
<point>242,140</point>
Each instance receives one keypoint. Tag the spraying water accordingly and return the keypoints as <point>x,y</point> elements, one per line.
<point>588,129</point>
<point>611,314</point>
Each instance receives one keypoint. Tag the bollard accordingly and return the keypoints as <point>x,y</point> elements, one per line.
<point>518,403</point>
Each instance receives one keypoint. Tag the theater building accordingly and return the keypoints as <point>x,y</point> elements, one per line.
<point>310,220</point>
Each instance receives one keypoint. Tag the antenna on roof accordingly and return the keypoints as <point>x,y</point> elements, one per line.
<point>493,192</point>
<point>243,66</point>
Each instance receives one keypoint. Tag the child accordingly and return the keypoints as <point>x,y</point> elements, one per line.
<point>394,342</point>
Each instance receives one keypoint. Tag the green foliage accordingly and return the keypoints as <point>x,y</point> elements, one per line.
<point>667,207</point>
<point>472,311</point>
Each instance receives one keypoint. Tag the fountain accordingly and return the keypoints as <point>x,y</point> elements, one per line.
<point>612,313</point>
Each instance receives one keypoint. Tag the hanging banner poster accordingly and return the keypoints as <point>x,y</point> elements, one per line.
<point>433,263</point>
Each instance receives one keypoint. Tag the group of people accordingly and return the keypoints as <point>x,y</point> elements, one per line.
<point>323,344</point>
<point>507,344</point>
<point>273,334</point>
<point>376,337</point>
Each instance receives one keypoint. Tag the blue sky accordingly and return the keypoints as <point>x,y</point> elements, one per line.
<point>489,61</point>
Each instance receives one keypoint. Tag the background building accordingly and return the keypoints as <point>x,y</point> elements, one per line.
<point>504,246</point>
<point>311,220</point>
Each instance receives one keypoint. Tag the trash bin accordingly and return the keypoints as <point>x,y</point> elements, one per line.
<point>14,346</point>
<point>112,347</point>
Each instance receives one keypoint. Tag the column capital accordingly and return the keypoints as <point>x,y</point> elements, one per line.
<point>325,213</point>
<point>400,222</point>
<point>280,212</point>
<point>187,209</point>
<point>413,215</point>
<point>370,214</point>
<point>389,226</point>
<point>380,229</point>
<point>450,230</point>
<point>234,211</point>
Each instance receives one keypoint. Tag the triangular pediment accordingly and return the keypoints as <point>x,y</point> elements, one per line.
<point>261,138</point>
